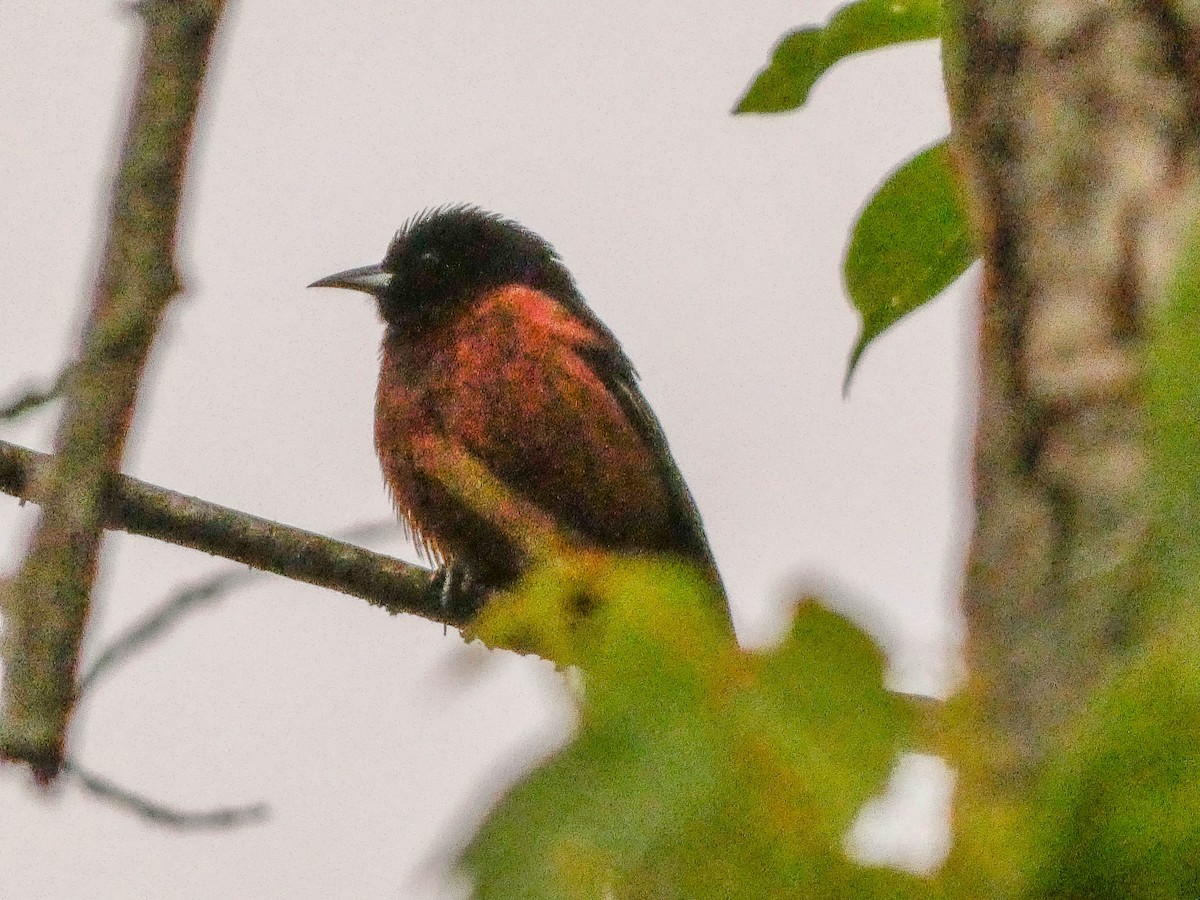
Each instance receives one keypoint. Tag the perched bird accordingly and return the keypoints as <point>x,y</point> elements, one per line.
<point>489,345</point>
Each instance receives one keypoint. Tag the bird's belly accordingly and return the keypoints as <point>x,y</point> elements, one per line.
<point>443,529</point>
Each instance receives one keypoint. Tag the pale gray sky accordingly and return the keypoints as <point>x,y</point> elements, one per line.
<point>711,245</point>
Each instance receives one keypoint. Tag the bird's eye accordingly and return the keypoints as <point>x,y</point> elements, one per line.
<point>431,261</point>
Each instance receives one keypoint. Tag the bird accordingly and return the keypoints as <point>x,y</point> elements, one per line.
<point>489,345</point>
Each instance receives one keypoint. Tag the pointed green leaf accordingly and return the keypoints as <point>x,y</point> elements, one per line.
<point>803,56</point>
<point>911,242</point>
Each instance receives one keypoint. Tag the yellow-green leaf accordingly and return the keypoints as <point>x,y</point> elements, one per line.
<point>700,770</point>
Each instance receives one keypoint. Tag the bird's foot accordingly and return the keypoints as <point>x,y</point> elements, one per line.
<point>457,592</point>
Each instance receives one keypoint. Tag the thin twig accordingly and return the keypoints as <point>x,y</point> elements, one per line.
<point>48,600</point>
<point>222,817</point>
<point>158,621</point>
<point>33,397</point>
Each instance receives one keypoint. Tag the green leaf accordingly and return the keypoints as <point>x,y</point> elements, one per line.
<point>820,698</point>
<point>803,56</point>
<point>910,243</point>
<point>1122,812</point>
<point>1173,407</point>
<point>646,759</point>
<point>700,770</point>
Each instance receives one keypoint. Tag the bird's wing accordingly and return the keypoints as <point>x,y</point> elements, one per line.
<point>613,367</point>
<point>525,364</point>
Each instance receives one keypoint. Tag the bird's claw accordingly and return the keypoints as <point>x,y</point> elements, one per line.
<point>456,592</point>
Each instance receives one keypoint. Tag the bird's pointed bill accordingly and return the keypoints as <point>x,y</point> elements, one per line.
<point>368,279</point>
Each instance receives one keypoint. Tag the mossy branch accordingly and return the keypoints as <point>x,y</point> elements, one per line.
<point>139,508</point>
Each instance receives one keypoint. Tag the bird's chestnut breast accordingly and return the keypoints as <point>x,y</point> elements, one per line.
<point>505,379</point>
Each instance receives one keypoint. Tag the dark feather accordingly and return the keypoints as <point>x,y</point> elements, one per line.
<point>616,371</point>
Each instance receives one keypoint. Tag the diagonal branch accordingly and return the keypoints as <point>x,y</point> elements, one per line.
<point>140,508</point>
<point>158,622</point>
<point>33,397</point>
<point>47,602</point>
<point>183,601</point>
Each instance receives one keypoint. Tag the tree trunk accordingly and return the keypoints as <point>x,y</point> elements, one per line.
<point>1077,126</point>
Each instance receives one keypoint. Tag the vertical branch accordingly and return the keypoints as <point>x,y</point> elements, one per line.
<point>46,603</point>
<point>1076,123</point>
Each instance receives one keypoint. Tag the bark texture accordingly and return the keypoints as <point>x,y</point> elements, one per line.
<point>1077,124</point>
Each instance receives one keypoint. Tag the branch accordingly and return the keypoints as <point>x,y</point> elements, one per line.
<point>1080,216</point>
<point>146,631</point>
<point>223,817</point>
<point>1078,128</point>
<point>32,397</point>
<point>139,508</point>
<point>157,622</point>
<point>182,601</point>
<point>48,600</point>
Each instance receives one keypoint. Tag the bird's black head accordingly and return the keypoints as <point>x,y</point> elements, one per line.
<point>445,257</point>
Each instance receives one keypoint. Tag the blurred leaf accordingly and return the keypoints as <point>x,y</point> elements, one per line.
<point>811,735</point>
<point>1122,817</point>
<point>700,770</point>
<point>803,56</point>
<point>644,759</point>
<point>910,243</point>
<point>1173,406</point>
<point>821,701</point>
